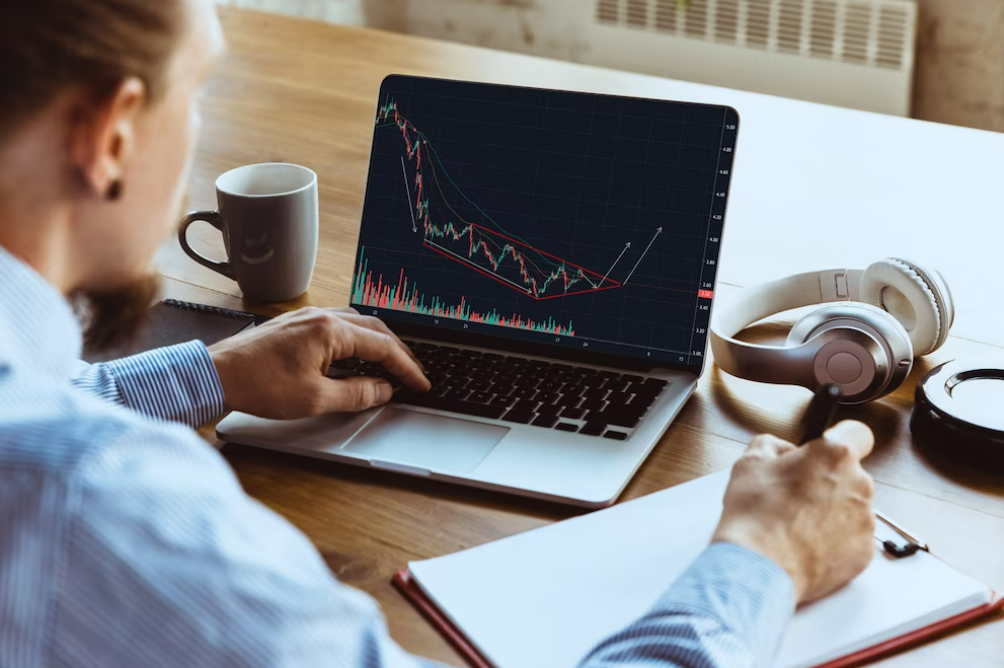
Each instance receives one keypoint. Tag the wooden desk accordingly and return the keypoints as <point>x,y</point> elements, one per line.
<point>815,187</point>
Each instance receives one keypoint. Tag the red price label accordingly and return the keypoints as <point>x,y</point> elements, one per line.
<point>705,294</point>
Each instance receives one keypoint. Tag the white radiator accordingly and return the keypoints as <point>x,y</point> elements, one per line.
<point>852,53</point>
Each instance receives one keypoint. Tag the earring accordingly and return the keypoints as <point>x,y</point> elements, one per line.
<point>114,191</point>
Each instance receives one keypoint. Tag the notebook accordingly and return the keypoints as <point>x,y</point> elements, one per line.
<point>172,322</point>
<point>545,598</point>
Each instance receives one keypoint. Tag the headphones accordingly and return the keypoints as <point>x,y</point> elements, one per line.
<point>865,339</point>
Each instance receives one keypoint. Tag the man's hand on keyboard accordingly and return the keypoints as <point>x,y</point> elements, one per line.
<point>807,509</point>
<point>278,370</point>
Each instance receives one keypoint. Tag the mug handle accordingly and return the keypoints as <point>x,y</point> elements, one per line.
<point>216,220</point>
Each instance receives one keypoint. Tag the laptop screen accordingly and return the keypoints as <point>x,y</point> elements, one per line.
<point>570,220</point>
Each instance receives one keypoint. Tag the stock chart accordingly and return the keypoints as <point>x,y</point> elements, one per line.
<point>566,218</point>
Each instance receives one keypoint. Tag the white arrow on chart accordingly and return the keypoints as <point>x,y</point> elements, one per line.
<point>657,233</point>
<point>407,188</point>
<point>626,246</point>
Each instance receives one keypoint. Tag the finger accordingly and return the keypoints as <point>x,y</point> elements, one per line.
<point>850,437</point>
<point>785,447</point>
<point>865,485</point>
<point>377,325</point>
<point>767,446</point>
<point>351,395</point>
<point>374,346</point>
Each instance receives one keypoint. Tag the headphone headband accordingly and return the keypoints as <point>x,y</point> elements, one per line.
<point>784,294</point>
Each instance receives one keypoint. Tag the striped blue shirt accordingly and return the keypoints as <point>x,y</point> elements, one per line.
<point>126,541</point>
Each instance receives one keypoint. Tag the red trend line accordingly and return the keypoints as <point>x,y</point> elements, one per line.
<point>566,274</point>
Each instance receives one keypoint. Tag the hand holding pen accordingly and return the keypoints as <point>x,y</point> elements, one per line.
<point>806,509</point>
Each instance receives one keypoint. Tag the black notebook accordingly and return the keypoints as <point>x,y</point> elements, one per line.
<point>172,322</point>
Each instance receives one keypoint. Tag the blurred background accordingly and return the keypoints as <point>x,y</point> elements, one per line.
<point>937,60</point>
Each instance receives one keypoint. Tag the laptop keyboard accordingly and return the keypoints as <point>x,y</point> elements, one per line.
<point>523,391</point>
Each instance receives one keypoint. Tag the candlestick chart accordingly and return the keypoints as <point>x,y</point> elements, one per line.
<point>513,208</point>
<point>509,261</point>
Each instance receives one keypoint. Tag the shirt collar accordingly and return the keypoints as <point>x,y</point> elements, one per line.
<point>38,331</point>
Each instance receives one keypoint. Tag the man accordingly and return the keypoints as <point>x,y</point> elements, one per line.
<point>127,541</point>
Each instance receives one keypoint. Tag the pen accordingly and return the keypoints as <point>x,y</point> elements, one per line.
<point>822,409</point>
<point>818,419</point>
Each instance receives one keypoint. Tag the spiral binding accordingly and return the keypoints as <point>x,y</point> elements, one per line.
<point>209,310</point>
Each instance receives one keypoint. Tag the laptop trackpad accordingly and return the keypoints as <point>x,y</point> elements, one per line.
<point>434,442</point>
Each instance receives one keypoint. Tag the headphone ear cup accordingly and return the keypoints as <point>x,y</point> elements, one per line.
<point>860,347</point>
<point>913,297</point>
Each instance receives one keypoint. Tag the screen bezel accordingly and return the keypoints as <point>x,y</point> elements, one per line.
<point>523,347</point>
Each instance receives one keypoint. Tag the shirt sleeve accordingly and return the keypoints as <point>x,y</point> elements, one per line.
<point>179,384</point>
<point>730,609</point>
<point>169,563</point>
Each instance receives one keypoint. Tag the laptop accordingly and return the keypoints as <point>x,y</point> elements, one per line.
<point>551,258</point>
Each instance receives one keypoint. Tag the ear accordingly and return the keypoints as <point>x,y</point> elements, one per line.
<point>103,135</point>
